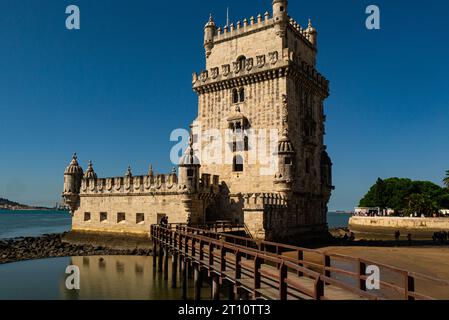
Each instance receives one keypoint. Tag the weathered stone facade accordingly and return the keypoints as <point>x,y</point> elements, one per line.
<point>260,75</point>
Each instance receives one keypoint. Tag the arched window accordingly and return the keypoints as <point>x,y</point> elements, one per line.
<point>235,96</point>
<point>241,60</point>
<point>238,164</point>
<point>242,95</point>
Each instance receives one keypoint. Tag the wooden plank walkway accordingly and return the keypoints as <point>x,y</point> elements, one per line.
<point>261,269</point>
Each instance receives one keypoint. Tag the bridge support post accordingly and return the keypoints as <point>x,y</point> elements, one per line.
<point>232,291</point>
<point>215,288</point>
<point>184,279</point>
<point>160,258</point>
<point>174,269</point>
<point>189,269</point>
<point>166,264</point>
<point>197,281</point>
<point>154,254</point>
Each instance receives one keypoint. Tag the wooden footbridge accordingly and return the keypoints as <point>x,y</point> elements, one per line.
<point>273,271</point>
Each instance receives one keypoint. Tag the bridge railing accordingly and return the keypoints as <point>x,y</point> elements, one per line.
<point>195,246</point>
<point>397,284</point>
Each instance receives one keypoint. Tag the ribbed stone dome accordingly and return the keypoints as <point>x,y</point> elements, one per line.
<point>74,167</point>
<point>285,145</point>
<point>90,173</point>
<point>189,158</point>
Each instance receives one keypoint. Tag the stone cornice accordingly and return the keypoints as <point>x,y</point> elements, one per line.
<point>264,70</point>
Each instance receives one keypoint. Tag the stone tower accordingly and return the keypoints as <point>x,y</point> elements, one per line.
<point>261,78</point>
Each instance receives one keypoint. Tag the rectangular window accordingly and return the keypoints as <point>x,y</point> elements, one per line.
<point>103,216</point>
<point>121,217</point>
<point>140,218</point>
<point>189,173</point>
<point>288,160</point>
<point>86,216</point>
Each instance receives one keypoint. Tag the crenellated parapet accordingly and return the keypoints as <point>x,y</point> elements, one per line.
<point>260,201</point>
<point>141,185</point>
<point>244,27</point>
<point>307,34</point>
<point>257,69</point>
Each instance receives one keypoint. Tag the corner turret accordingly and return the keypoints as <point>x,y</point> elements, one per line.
<point>189,169</point>
<point>210,30</point>
<point>280,16</point>
<point>72,183</point>
<point>313,34</point>
<point>286,156</point>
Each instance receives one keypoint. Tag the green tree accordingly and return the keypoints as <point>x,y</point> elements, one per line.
<point>421,204</point>
<point>396,193</point>
<point>446,179</point>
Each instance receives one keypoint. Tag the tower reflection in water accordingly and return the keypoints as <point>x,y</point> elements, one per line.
<point>121,278</point>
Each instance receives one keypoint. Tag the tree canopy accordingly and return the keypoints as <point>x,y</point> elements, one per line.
<point>446,179</point>
<point>407,196</point>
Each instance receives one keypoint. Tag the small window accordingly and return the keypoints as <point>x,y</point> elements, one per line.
<point>288,161</point>
<point>103,217</point>
<point>235,96</point>
<point>121,217</point>
<point>242,62</point>
<point>190,173</point>
<point>87,216</point>
<point>238,164</point>
<point>242,95</point>
<point>282,9</point>
<point>140,218</point>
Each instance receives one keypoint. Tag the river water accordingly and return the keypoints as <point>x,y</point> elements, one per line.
<point>15,224</point>
<point>108,277</point>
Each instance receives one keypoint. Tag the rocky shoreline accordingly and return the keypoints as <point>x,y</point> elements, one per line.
<point>53,246</point>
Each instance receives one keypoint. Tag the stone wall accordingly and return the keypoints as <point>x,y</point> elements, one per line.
<point>373,223</point>
<point>129,205</point>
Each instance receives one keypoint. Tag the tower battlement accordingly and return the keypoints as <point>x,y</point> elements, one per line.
<point>145,184</point>
<point>256,69</point>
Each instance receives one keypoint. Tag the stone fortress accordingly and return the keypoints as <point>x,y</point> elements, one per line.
<point>260,75</point>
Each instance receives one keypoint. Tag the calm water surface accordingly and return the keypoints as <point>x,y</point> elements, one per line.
<point>108,277</point>
<point>15,224</point>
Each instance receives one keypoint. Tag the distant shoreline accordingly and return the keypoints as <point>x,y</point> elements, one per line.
<point>33,209</point>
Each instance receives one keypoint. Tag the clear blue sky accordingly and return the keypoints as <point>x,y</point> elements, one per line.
<point>114,90</point>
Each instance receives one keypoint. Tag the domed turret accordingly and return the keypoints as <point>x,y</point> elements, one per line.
<point>73,175</point>
<point>189,169</point>
<point>285,146</point>
<point>286,154</point>
<point>74,168</point>
<point>280,16</point>
<point>209,33</point>
<point>313,34</point>
<point>90,173</point>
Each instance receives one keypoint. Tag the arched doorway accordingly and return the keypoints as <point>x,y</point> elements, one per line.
<point>212,215</point>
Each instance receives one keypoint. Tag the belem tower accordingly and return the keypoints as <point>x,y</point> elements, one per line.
<point>260,75</point>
